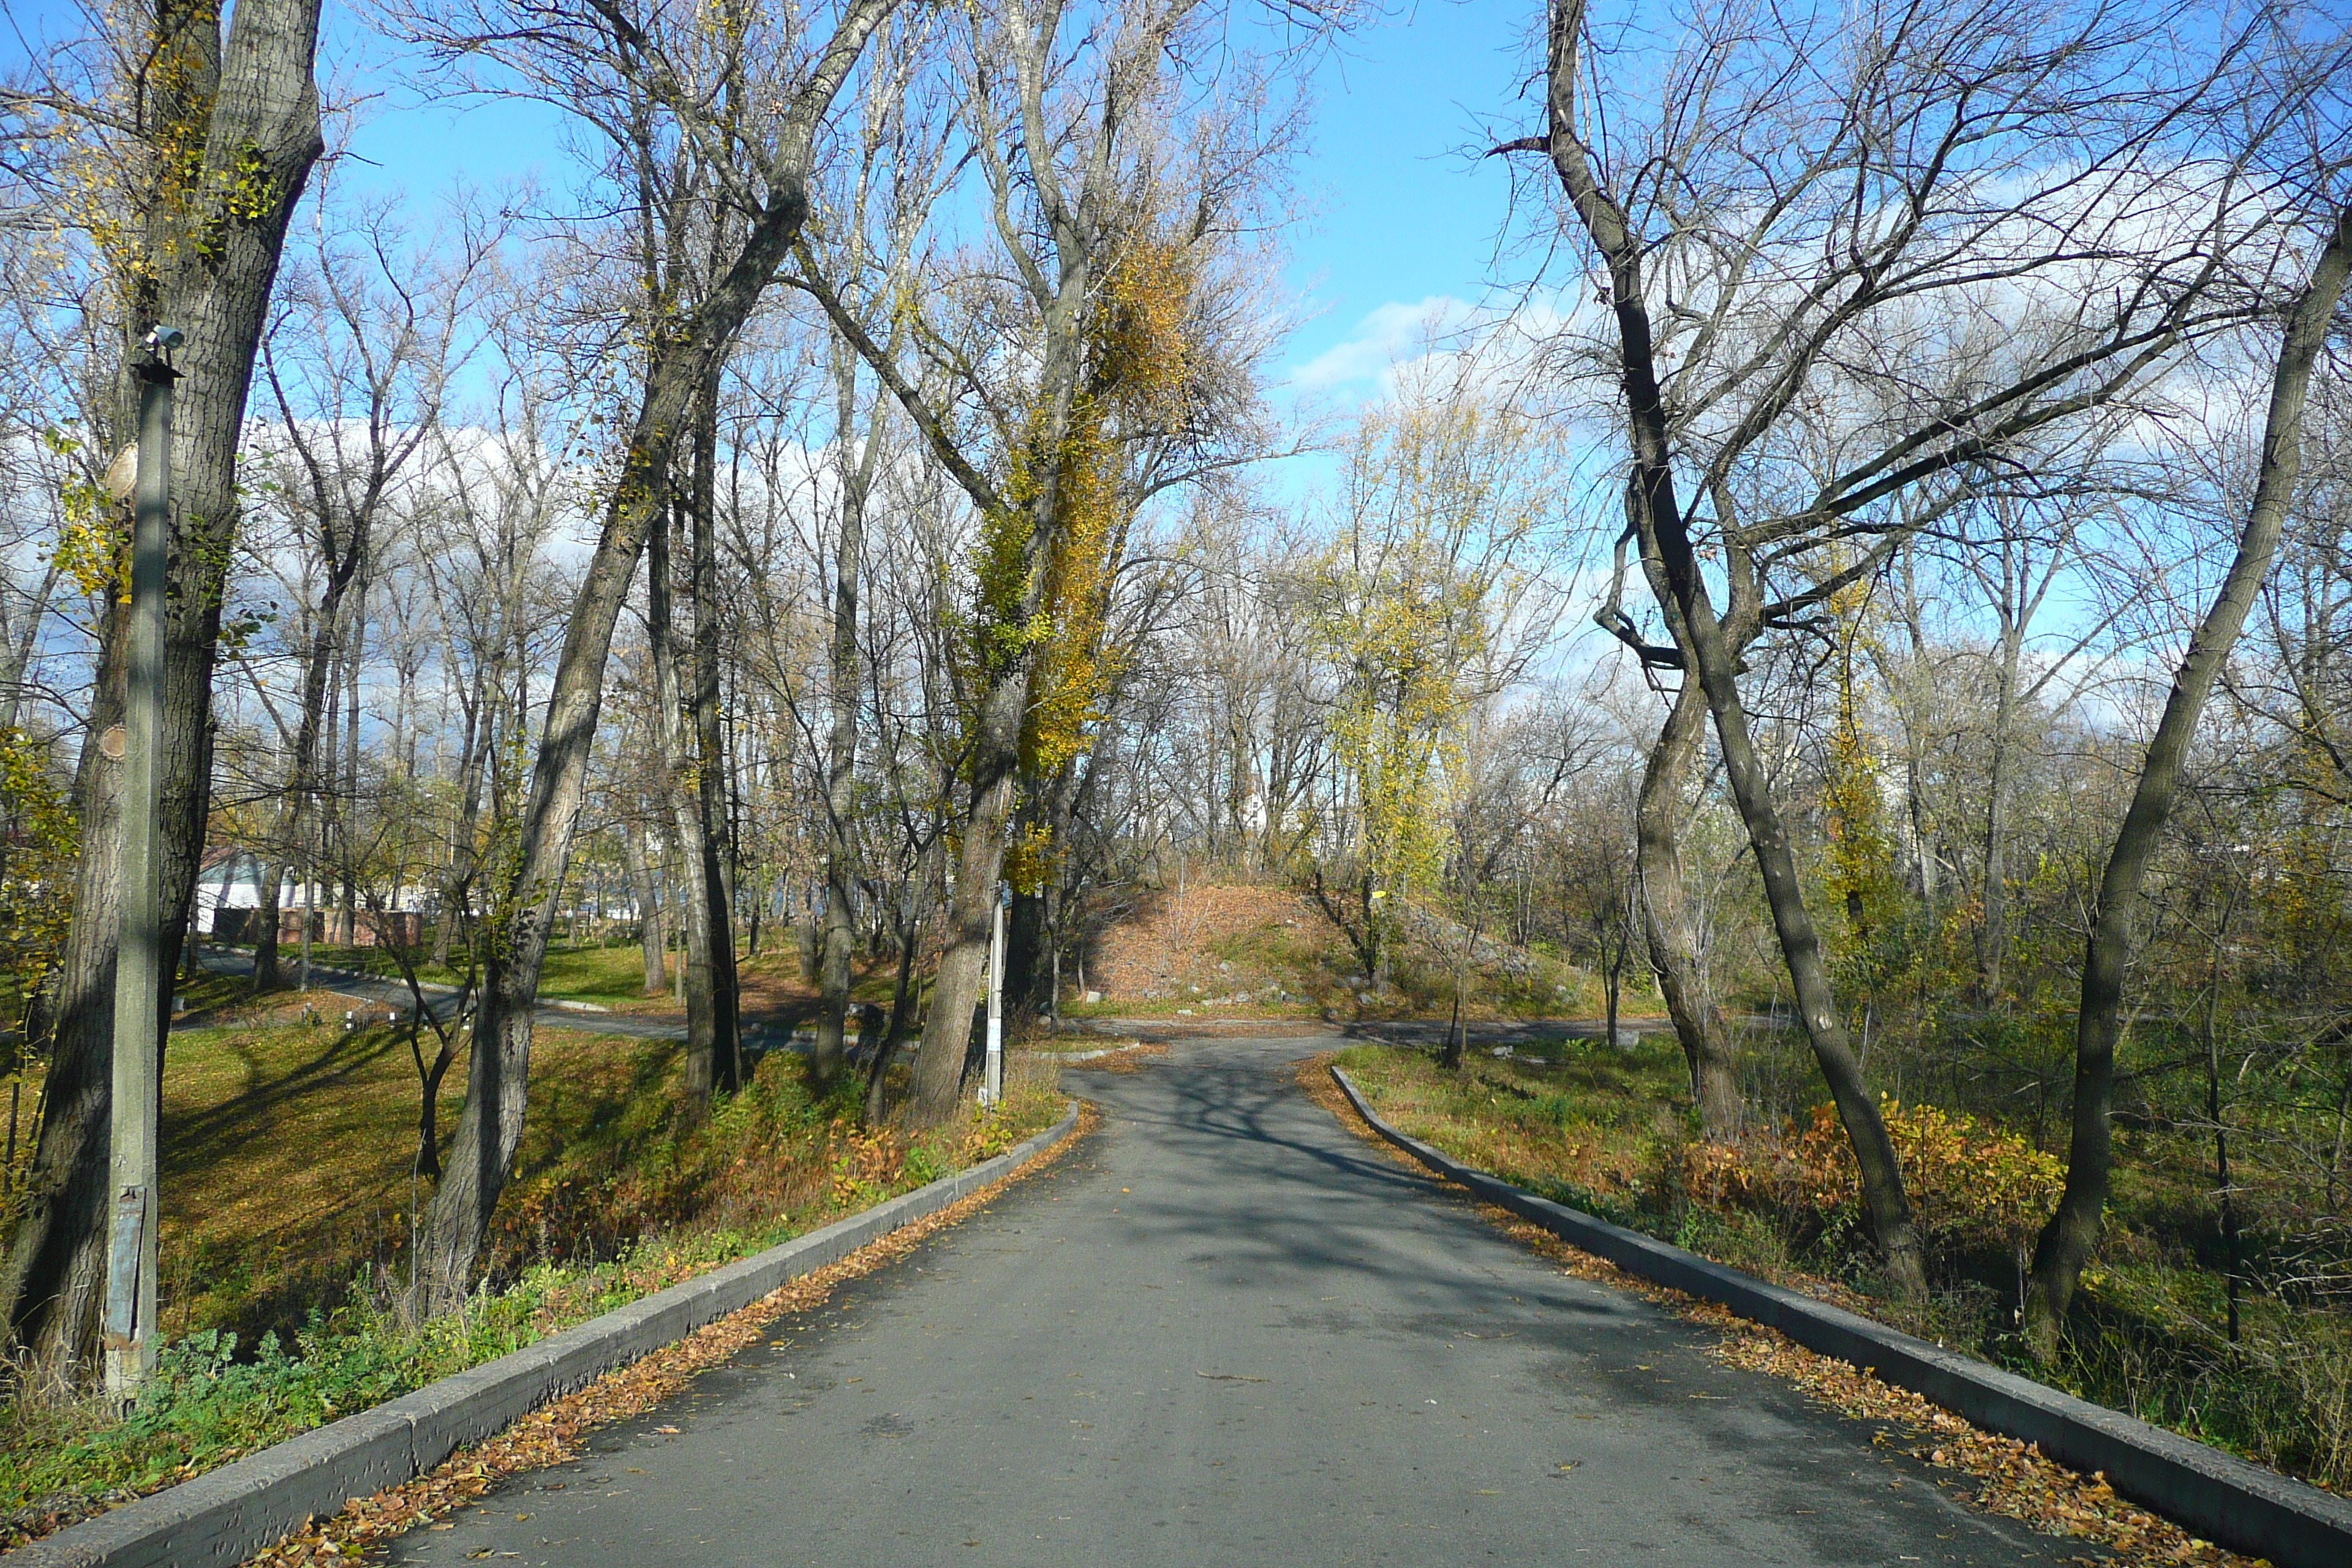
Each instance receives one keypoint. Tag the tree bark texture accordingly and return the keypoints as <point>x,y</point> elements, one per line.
<point>844,674</point>
<point>1669,924</point>
<point>713,819</point>
<point>681,803</point>
<point>2071,1235</point>
<point>649,923</point>
<point>233,122</point>
<point>1660,514</point>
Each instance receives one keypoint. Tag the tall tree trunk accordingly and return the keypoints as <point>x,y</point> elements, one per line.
<point>489,1128</point>
<point>457,889</point>
<point>349,790</point>
<point>1992,937</point>
<point>908,926</point>
<point>267,976</point>
<point>1659,514</point>
<point>844,676</point>
<point>681,803</point>
<point>1669,924</point>
<point>972,902</point>
<point>243,111</point>
<point>55,1268</point>
<point>312,720</point>
<point>713,814</point>
<point>2068,1241</point>
<point>649,921</point>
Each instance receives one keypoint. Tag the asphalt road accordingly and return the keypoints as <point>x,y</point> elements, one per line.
<point>1226,1332</point>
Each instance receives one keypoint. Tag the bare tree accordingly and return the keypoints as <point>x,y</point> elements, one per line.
<point>632,77</point>
<point>1816,220</point>
<point>2067,1242</point>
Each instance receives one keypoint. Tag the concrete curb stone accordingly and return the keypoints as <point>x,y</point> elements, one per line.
<point>224,1517</point>
<point>2225,1499</point>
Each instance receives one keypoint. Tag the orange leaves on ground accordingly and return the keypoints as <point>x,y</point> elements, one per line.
<point>865,1163</point>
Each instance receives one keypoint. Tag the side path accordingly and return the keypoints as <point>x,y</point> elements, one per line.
<point>1225,1332</point>
<point>757,1037</point>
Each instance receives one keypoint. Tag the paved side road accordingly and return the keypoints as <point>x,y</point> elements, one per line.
<point>757,1037</point>
<point>1225,1332</point>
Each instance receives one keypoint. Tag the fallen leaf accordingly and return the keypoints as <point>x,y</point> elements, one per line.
<point>554,1434</point>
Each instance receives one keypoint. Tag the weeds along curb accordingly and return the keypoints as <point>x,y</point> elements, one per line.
<point>2239,1505</point>
<point>225,1516</point>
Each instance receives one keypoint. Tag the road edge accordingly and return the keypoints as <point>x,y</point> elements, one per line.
<point>225,1516</point>
<point>2227,1499</point>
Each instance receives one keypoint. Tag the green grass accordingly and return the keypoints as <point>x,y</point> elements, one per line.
<point>287,1201</point>
<point>607,975</point>
<point>1605,1131</point>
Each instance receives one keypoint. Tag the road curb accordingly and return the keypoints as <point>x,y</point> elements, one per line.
<point>222,1518</point>
<point>1067,1059</point>
<point>2241,1506</point>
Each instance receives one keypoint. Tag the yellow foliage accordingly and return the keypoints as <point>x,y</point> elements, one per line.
<point>1974,1184</point>
<point>1860,857</point>
<point>39,840</point>
<point>1032,859</point>
<point>1139,363</point>
<point>1407,601</point>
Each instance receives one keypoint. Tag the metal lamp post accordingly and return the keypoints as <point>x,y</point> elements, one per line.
<point>129,1330</point>
<point>991,1078</point>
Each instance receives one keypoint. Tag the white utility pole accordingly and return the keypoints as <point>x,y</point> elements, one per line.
<point>991,1078</point>
<point>128,1330</point>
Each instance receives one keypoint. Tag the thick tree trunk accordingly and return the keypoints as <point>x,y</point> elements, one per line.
<point>1669,925</point>
<point>1659,513</point>
<point>244,109</point>
<point>971,905</point>
<point>266,972</point>
<point>2068,1241</point>
<point>909,928</point>
<point>55,1269</point>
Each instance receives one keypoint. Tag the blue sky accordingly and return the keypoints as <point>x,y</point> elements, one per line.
<point>1396,215</point>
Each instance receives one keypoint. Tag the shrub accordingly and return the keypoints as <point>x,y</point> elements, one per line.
<point>1970,1184</point>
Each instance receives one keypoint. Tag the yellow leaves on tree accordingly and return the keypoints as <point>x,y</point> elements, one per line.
<point>40,839</point>
<point>1409,602</point>
<point>1860,857</point>
<point>1139,366</point>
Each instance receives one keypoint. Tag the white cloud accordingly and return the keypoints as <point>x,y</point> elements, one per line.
<point>1394,333</point>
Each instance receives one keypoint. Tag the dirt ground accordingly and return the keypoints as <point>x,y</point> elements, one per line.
<point>1171,945</point>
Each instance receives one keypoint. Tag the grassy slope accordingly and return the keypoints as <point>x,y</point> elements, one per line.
<point>1250,951</point>
<point>287,1198</point>
<point>1604,1132</point>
